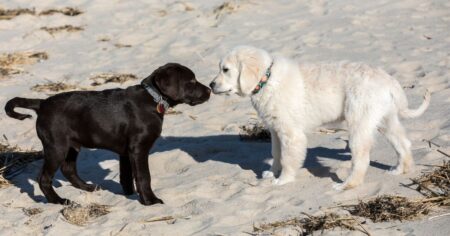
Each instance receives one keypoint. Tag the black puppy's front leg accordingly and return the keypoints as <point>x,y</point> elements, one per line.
<point>141,173</point>
<point>126,175</point>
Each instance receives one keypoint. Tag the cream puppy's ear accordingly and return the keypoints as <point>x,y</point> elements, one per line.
<point>248,76</point>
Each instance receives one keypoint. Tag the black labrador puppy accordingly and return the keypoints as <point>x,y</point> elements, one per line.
<point>125,121</point>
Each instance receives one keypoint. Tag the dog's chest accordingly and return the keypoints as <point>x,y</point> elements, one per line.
<point>266,110</point>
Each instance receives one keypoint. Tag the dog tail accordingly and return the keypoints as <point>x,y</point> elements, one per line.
<point>33,104</point>
<point>402,103</point>
<point>408,113</point>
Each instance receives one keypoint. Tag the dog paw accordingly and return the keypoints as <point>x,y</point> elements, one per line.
<point>151,201</point>
<point>90,187</point>
<point>339,187</point>
<point>396,171</point>
<point>128,191</point>
<point>282,181</point>
<point>267,174</point>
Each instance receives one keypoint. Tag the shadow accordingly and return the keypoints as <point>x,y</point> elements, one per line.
<point>96,166</point>
<point>224,148</point>
<point>251,155</point>
<point>92,167</point>
<point>313,165</point>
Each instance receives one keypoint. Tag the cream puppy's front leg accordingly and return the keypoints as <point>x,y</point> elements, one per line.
<point>293,153</point>
<point>276,155</point>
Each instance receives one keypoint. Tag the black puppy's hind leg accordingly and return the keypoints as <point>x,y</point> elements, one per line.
<point>126,175</point>
<point>52,161</point>
<point>69,170</point>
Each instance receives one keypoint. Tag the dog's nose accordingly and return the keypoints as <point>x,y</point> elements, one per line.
<point>212,84</point>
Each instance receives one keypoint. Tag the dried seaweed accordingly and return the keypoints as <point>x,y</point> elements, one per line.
<point>13,160</point>
<point>80,215</point>
<point>31,211</point>
<point>435,184</point>
<point>8,14</point>
<point>308,224</point>
<point>53,87</point>
<point>254,132</point>
<point>9,62</point>
<point>388,208</point>
<point>68,11</point>
<point>58,29</point>
<point>225,8</point>
<point>121,45</point>
<point>112,78</point>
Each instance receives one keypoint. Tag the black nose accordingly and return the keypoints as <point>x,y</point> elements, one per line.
<point>212,84</point>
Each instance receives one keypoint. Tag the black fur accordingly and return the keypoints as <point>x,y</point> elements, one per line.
<point>121,120</point>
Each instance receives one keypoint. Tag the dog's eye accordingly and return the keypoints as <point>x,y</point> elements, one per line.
<point>225,70</point>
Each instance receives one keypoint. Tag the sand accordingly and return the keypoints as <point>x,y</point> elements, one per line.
<point>209,179</point>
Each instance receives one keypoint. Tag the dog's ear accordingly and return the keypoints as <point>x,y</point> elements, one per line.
<point>161,79</point>
<point>248,77</point>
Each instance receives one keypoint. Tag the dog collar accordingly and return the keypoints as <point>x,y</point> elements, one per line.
<point>161,103</point>
<point>263,80</point>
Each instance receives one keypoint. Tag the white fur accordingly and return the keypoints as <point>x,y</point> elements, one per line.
<point>300,97</point>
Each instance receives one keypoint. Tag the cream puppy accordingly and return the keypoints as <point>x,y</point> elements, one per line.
<point>292,99</point>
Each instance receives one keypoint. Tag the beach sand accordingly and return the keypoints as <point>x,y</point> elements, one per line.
<point>208,178</point>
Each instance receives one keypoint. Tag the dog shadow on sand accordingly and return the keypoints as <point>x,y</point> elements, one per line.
<point>93,165</point>
<point>252,155</point>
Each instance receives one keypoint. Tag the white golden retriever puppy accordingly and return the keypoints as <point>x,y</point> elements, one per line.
<point>293,98</point>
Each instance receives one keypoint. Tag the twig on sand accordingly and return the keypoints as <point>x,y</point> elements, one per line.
<point>167,219</point>
<point>437,145</point>
<point>156,219</point>
<point>438,216</point>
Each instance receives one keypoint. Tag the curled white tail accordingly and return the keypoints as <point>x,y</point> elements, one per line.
<point>405,112</point>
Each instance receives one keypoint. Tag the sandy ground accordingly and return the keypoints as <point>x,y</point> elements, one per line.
<point>208,178</point>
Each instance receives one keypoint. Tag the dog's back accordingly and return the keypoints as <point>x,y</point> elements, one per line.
<point>74,115</point>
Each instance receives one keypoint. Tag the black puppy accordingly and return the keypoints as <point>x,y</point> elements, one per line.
<point>126,121</point>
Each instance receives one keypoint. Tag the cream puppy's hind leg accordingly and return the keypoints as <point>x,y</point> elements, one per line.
<point>395,133</point>
<point>363,119</point>
<point>276,155</point>
<point>293,153</point>
<point>360,145</point>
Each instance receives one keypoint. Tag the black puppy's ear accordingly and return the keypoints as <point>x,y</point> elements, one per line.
<point>163,82</point>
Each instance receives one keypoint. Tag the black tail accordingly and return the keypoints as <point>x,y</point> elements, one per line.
<point>33,104</point>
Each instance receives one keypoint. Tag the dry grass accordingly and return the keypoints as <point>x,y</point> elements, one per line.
<point>172,111</point>
<point>13,160</point>
<point>104,39</point>
<point>8,14</point>
<point>68,11</point>
<point>435,184</point>
<point>388,208</point>
<point>308,224</point>
<point>121,45</point>
<point>81,215</point>
<point>254,132</point>
<point>31,211</point>
<point>10,62</point>
<point>225,8</point>
<point>112,78</point>
<point>58,29</point>
<point>53,87</point>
